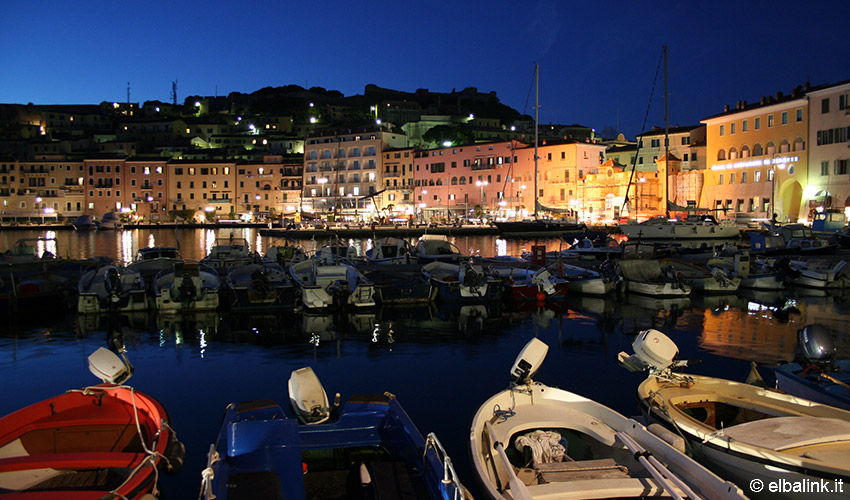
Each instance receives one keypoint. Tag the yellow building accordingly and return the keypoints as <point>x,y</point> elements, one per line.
<point>206,186</point>
<point>757,158</point>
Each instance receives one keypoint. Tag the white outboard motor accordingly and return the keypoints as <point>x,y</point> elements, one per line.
<point>528,361</point>
<point>817,345</point>
<point>543,280</point>
<point>654,351</point>
<point>307,396</point>
<point>107,366</point>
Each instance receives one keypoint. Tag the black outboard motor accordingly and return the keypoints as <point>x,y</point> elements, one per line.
<point>187,290</point>
<point>817,345</point>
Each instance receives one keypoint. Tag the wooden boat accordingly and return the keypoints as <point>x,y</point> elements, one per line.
<point>532,441</point>
<point>111,288</point>
<point>187,287</point>
<point>465,282</point>
<point>742,431</point>
<point>327,286</point>
<point>367,448</point>
<point>816,374</point>
<point>103,441</point>
<point>260,285</point>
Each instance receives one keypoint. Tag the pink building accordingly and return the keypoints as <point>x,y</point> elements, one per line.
<point>147,187</point>
<point>104,187</point>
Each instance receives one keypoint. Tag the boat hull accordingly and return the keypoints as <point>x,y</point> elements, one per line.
<point>719,419</point>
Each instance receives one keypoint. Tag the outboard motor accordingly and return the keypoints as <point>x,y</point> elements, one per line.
<point>112,283</point>
<point>339,290</point>
<point>817,345</point>
<point>187,289</point>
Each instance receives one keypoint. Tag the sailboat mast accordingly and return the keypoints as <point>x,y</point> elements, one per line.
<point>536,110</point>
<point>666,143</point>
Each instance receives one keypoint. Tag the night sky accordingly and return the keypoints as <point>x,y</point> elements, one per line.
<point>598,60</point>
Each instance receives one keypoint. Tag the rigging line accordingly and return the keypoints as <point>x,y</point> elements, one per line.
<point>514,141</point>
<point>643,127</point>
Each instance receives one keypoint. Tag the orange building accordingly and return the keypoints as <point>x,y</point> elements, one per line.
<point>147,186</point>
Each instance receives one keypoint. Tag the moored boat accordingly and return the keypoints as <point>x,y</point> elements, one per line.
<point>110,220</point>
<point>85,222</point>
<point>437,247</point>
<point>462,282</point>
<point>187,287</point>
<point>694,227</point>
<point>260,286</point>
<point>703,279</point>
<point>533,441</point>
<point>332,285</point>
<point>230,252</point>
<point>740,430</point>
<point>815,374</point>
<point>102,441</point>
<point>111,288</point>
<point>647,277</point>
<point>522,281</point>
<point>366,448</point>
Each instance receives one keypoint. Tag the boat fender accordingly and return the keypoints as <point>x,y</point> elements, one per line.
<point>671,438</point>
<point>365,477</point>
<point>175,452</point>
<point>148,496</point>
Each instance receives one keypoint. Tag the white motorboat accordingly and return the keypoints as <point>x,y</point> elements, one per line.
<point>85,222</point>
<point>585,281</point>
<point>694,227</point>
<point>187,287</point>
<point>111,289</point>
<point>754,274</point>
<point>532,441</point>
<point>230,252</point>
<point>702,279</point>
<point>390,250</point>
<point>260,286</point>
<point>741,431</point>
<point>110,220</point>
<point>437,247</point>
<point>152,260</point>
<point>332,285</point>
<point>285,255</point>
<point>646,277</point>
<point>464,282</point>
<point>811,273</point>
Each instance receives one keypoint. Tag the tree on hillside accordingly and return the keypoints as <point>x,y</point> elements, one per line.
<point>456,134</point>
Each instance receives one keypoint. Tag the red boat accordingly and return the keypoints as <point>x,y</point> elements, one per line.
<point>523,281</point>
<point>105,441</point>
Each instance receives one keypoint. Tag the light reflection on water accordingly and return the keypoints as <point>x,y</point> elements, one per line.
<point>442,361</point>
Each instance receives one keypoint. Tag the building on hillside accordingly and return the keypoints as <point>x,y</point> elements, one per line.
<point>467,181</point>
<point>147,184</point>
<point>561,167</point>
<point>203,186</point>
<point>829,149</point>
<point>757,158</point>
<point>105,190</point>
<point>342,171</point>
<point>396,196</point>
<point>49,187</point>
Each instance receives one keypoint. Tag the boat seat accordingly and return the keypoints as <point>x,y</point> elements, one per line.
<point>325,275</point>
<point>75,460</point>
<point>250,436</point>
<point>604,468</point>
<point>784,433</point>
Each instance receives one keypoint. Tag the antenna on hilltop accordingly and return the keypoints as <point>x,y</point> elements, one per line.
<point>128,95</point>
<point>174,92</point>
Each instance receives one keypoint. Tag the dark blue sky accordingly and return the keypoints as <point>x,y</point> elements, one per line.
<point>597,59</point>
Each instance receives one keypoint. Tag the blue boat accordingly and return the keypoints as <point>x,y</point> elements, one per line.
<point>368,448</point>
<point>816,375</point>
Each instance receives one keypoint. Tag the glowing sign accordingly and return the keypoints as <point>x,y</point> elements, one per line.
<point>756,163</point>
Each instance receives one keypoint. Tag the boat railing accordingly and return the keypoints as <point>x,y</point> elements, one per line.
<point>449,474</point>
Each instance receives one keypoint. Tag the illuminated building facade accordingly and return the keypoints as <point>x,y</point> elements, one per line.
<point>343,170</point>
<point>105,190</point>
<point>757,158</point>
<point>396,195</point>
<point>829,148</point>
<point>208,186</point>
<point>147,185</point>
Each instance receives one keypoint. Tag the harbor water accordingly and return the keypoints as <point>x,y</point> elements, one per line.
<point>441,360</point>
